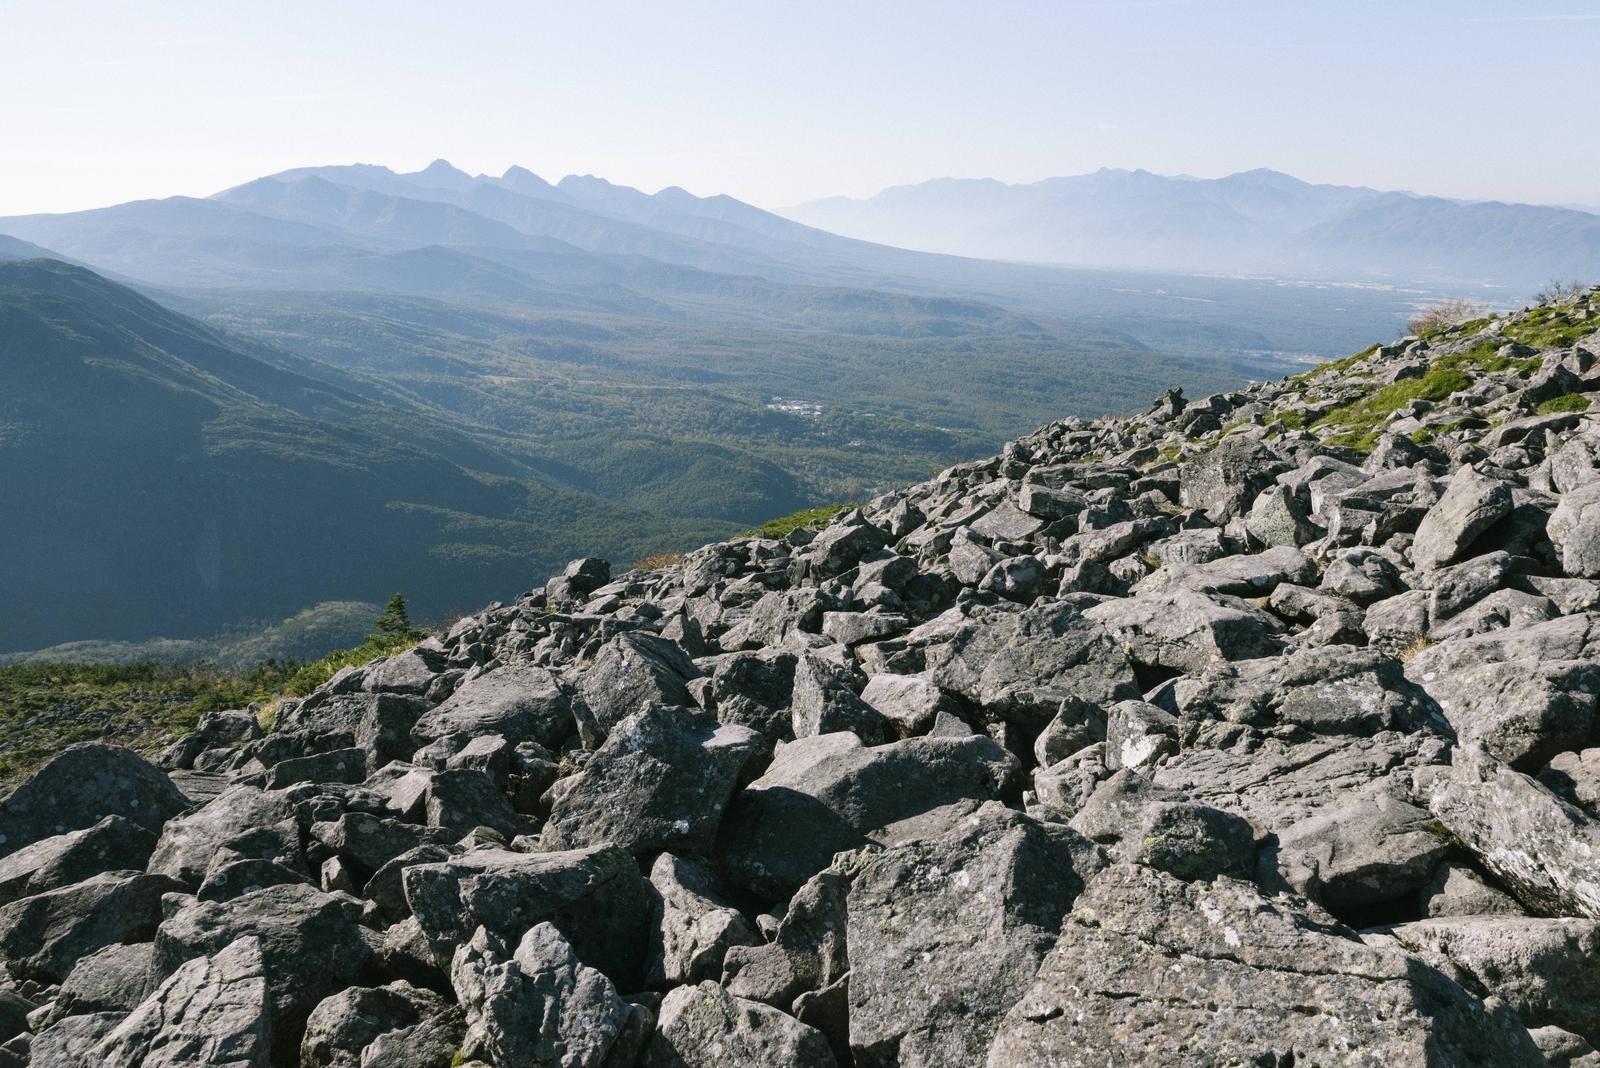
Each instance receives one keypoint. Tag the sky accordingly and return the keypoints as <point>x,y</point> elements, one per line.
<point>778,103</point>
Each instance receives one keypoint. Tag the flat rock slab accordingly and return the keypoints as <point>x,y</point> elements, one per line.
<point>1149,970</point>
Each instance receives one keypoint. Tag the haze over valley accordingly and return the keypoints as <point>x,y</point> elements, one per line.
<point>451,383</point>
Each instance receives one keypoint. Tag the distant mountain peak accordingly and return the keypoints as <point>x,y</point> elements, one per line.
<point>442,173</point>
<point>586,181</point>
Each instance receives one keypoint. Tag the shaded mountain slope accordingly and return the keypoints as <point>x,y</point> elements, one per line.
<point>161,479</point>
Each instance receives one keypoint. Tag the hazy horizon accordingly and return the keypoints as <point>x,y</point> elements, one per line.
<point>779,110</point>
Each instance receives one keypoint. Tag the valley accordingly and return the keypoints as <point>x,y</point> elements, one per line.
<point>450,382</point>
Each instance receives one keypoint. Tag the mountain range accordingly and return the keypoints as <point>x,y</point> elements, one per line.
<point>445,383</point>
<point>1260,221</point>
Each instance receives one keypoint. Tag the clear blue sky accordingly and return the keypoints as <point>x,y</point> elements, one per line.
<point>778,103</point>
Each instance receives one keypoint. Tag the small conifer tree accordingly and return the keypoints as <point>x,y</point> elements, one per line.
<point>396,622</point>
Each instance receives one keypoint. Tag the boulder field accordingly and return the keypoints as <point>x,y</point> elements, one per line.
<point>1253,730</point>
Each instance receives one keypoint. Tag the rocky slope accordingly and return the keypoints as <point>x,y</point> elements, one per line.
<point>1256,730</point>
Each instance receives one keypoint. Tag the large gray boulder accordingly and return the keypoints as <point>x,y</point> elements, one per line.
<point>1470,505</point>
<point>115,843</point>
<point>1365,848</point>
<point>1225,480</point>
<point>1182,630</point>
<point>311,945</point>
<point>378,724</point>
<point>520,702</point>
<point>703,1026</point>
<point>1151,970</point>
<point>694,924</point>
<point>660,781</point>
<point>1019,666</point>
<point>464,798</point>
<point>946,933</point>
<point>84,784</point>
<point>911,703</point>
<point>43,937</point>
<point>1139,821</point>
<point>115,979</point>
<point>831,793</point>
<point>1277,782</point>
<point>594,896</point>
<point>1544,850</point>
<point>1244,575</point>
<point>808,951</point>
<point>189,843</point>
<point>824,700</point>
<point>1546,970</point>
<point>1324,690</point>
<point>1524,694</point>
<point>211,1012</point>
<point>342,1030</point>
<point>1575,530</point>
<point>538,1006</point>
<point>630,671</point>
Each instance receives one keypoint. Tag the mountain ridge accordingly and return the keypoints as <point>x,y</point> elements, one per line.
<point>1261,220</point>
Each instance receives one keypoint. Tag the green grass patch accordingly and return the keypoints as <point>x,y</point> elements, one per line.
<point>46,707</point>
<point>1486,357</point>
<point>1360,422</point>
<point>1548,328</point>
<point>1567,402</point>
<point>808,518</point>
<point>309,676</point>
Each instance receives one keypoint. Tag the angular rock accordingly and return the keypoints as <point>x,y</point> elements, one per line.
<point>1325,690</point>
<point>1150,970</point>
<point>660,781</point>
<point>630,671</point>
<point>343,1029</point>
<point>595,897</point>
<point>704,1026</point>
<point>910,702</point>
<point>1277,518</point>
<point>753,690</point>
<point>379,724</point>
<point>1471,504</point>
<point>1018,666</point>
<point>460,800</point>
<point>1226,479</point>
<point>1575,530</point>
<point>1457,890</point>
<point>211,1011</point>
<point>1163,829</point>
<point>1186,630</point>
<point>115,843</point>
<point>1139,734</point>
<point>84,784</point>
<point>1547,971</point>
<point>539,1005</point>
<point>311,945</point>
<point>946,934</point>
<point>519,702</point>
<point>115,979</point>
<point>1277,783</point>
<point>1525,694</point>
<point>694,925</point>
<point>43,937</point>
<point>1541,848</point>
<point>826,794</point>
<point>190,842</point>
<point>1368,847</point>
<point>825,701</point>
